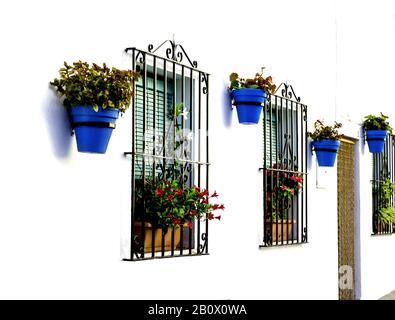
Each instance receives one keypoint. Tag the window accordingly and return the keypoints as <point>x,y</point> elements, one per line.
<point>284,169</point>
<point>382,189</point>
<point>169,144</point>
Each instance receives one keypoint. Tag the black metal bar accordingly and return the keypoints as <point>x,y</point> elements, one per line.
<point>174,118</point>
<point>207,149</point>
<point>168,158</point>
<point>164,137</point>
<point>133,181</point>
<point>304,169</point>
<point>282,144</point>
<point>297,168</point>
<point>276,182</point>
<point>265,206</point>
<point>174,139</point>
<point>191,109</point>
<point>270,227</point>
<point>153,233</point>
<point>287,157</point>
<point>144,147</point>
<point>182,147</point>
<point>292,167</point>
<point>199,148</point>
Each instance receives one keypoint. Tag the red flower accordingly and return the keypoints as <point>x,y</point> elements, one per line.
<point>203,194</point>
<point>210,216</point>
<point>197,189</point>
<point>214,195</point>
<point>170,198</point>
<point>221,207</point>
<point>283,188</point>
<point>215,206</point>
<point>176,221</point>
<point>218,217</point>
<point>159,192</point>
<point>190,224</point>
<point>204,201</point>
<point>179,192</point>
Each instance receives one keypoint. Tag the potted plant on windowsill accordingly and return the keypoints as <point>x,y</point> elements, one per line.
<point>165,206</point>
<point>385,213</point>
<point>94,96</point>
<point>326,142</point>
<point>249,95</point>
<point>376,129</point>
<point>282,188</point>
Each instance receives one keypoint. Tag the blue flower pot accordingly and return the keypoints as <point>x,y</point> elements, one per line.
<point>93,129</point>
<point>376,140</point>
<point>248,103</point>
<point>326,151</point>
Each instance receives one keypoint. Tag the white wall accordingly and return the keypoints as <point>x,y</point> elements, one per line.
<point>60,222</point>
<point>365,33</point>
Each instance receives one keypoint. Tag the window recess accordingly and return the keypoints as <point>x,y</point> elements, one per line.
<point>284,169</point>
<point>383,199</point>
<point>170,142</point>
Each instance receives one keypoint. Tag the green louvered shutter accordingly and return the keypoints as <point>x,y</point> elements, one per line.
<point>271,131</point>
<point>159,121</point>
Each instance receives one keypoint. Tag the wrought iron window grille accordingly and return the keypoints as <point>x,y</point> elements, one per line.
<point>170,141</point>
<point>284,169</point>
<point>383,174</point>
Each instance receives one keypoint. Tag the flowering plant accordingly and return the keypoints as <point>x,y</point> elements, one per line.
<point>281,190</point>
<point>258,82</point>
<point>167,204</point>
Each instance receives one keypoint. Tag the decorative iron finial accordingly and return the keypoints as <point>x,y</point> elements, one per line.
<point>287,91</point>
<point>175,52</point>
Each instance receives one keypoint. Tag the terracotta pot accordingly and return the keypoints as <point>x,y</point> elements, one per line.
<point>281,228</point>
<point>158,237</point>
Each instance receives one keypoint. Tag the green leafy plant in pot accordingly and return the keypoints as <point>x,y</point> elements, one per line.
<point>376,129</point>
<point>249,95</point>
<point>326,142</point>
<point>94,96</point>
<point>385,212</point>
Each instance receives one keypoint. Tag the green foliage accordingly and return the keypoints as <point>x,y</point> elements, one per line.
<point>386,216</point>
<point>258,82</point>
<point>373,122</point>
<point>166,204</point>
<point>386,212</point>
<point>323,132</point>
<point>83,85</point>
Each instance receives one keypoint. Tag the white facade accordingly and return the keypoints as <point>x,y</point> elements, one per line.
<point>61,221</point>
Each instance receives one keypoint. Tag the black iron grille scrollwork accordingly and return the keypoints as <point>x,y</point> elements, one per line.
<point>170,142</point>
<point>284,168</point>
